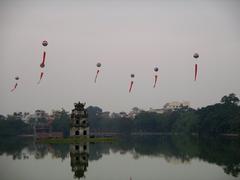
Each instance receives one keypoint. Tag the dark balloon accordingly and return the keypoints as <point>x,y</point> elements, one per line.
<point>17,78</point>
<point>44,43</point>
<point>98,64</point>
<point>42,65</point>
<point>156,69</point>
<point>196,55</point>
<point>132,75</point>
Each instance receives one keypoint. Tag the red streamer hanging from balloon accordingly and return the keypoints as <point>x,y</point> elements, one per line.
<point>95,80</point>
<point>42,65</point>
<point>196,72</point>
<point>155,81</point>
<point>41,76</point>
<point>15,86</point>
<point>131,85</point>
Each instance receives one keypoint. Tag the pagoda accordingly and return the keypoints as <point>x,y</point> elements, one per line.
<point>79,126</point>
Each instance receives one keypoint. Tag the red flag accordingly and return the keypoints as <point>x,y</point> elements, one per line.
<point>130,88</point>
<point>42,65</point>
<point>196,71</point>
<point>41,76</point>
<point>14,87</point>
<point>155,82</point>
<point>96,76</point>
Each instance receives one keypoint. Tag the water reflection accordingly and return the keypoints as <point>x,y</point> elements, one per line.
<point>223,152</point>
<point>79,154</point>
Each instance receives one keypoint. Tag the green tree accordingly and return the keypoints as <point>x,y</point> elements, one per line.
<point>230,99</point>
<point>61,123</point>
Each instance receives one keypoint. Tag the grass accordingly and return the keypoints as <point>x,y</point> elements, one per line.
<point>74,140</point>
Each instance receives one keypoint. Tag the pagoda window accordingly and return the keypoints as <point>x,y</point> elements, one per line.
<point>76,133</point>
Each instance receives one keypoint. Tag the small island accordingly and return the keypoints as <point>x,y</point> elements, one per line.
<point>79,129</point>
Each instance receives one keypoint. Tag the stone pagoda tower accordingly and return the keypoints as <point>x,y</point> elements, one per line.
<point>79,126</point>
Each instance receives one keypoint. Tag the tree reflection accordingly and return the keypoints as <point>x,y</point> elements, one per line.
<point>221,151</point>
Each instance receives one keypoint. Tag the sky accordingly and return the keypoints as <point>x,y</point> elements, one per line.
<point>127,36</point>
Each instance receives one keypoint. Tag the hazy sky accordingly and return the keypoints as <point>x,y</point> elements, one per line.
<point>127,36</point>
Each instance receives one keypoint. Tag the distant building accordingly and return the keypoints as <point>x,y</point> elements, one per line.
<point>123,114</point>
<point>38,115</point>
<point>171,106</point>
<point>41,114</point>
<point>176,105</point>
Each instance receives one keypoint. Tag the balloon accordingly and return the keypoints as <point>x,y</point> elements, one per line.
<point>132,75</point>
<point>156,69</point>
<point>196,55</point>
<point>98,64</point>
<point>17,78</point>
<point>44,43</point>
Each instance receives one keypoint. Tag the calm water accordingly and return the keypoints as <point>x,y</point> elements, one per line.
<point>135,157</point>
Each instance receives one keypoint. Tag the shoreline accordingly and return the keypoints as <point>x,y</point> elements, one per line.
<point>74,140</point>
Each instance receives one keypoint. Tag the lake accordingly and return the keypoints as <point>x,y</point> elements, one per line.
<point>130,157</point>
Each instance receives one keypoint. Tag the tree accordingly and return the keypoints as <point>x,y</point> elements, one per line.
<point>230,99</point>
<point>93,111</point>
<point>61,123</point>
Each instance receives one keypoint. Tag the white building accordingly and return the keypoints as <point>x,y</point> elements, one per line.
<point>176,105</point>
<point>39,114</point>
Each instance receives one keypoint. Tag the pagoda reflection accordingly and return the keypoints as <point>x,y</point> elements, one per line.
<point>79,154</point>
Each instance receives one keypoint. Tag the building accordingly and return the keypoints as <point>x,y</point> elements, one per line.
<point>39,115</point>
<point>79,125</point>
<point>176,105</point>
<point>123,114</point>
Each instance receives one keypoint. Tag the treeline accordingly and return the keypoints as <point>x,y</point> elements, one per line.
<point>12,126</point>
<point>222,151</point>
<point>221,118</point>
